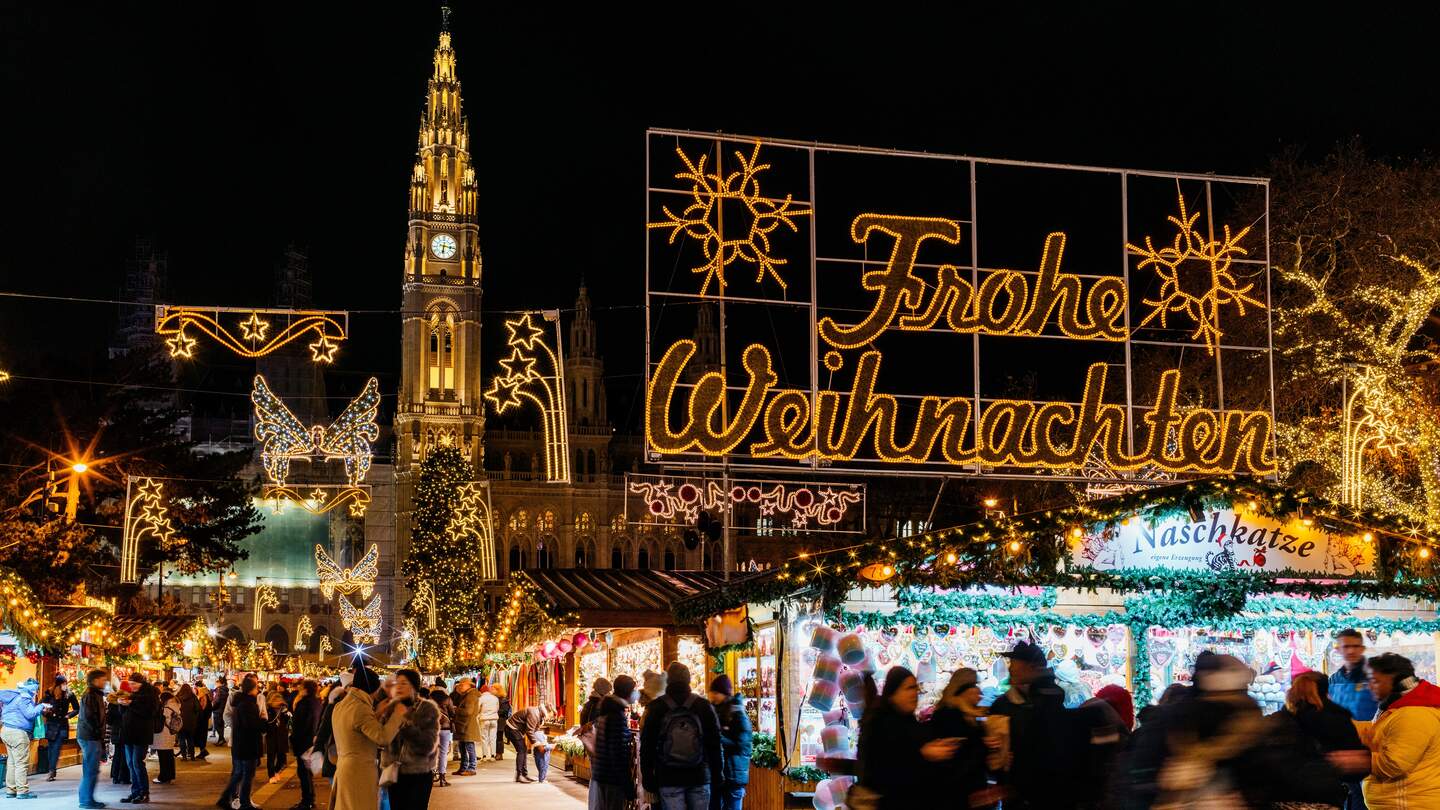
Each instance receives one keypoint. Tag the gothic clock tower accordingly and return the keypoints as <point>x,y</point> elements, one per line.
<point>440,401</point>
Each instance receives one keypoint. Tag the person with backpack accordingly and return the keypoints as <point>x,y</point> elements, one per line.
<point>526,729</point>
<point>20,708</point>
<point>137,731</point>
<point>680,748</point>
<point>172,721</point>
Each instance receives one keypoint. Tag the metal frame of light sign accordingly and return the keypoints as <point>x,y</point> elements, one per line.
<point>1185,291</point>
<point>675,501</point>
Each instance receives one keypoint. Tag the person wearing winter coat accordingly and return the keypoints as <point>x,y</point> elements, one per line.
<point>612,781</point>
<point>1045,747</point>
<point>303,722</point>
<point>489,719</point>
<point>1314,728</point>
<point>526,730</point>
<point>359,735</point>
<point>18,709</point>
<point>1405,741</point>
<point>163,741</point>
<point>246,729</point>
<point>957,717</point>
<point>60,706</point>
<point>894,749</point>
<point>415,744</point>
<point>502,716</point>
<point>200,735</point>
<point>467,724</point>
<point>90,734</point>
<point>1349,686</point>
<point>118,704</point>
<point>189,721</point>
<point>325,732</point>
<point>447,733</point>
<point>137,732</point>
<point>277,733</point>
<point>219,701</point>
<point>735,742</point>
<point>679,762</point>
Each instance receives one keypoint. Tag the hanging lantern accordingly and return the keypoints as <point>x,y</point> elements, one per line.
<point>563,646</point>
<point>550,649</point>
<point>581,641</point>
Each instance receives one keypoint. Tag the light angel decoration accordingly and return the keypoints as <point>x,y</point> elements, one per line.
<point>283,438</point>
<point>363,623</point>
<point>335,579</point>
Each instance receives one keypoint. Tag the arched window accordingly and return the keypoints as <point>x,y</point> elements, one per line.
<point>669,559</point>
<point>580,558</point>
<point>642,558</point>
<point>517,558</point>
<point>441,358</point>
<point>545,521</point>
<point>545,553</point>
<point>617,523</point>
<point>519,520</point>
<point>584,523</point>
<point>619,552</point>
<point>278,639</point>
<point>590,465</point>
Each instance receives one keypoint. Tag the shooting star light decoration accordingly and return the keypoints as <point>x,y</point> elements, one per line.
<point>303,631</point>
<point>264,597</point>
<point>545,387</point>
<point>144,516</point>
<point>424,599</point>
<point>472,518</point>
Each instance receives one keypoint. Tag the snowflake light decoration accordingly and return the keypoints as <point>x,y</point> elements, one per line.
<point>1196,277</point>
<point>702,220</point>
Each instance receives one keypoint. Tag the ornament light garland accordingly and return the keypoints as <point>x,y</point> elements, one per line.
<point>255,339</point>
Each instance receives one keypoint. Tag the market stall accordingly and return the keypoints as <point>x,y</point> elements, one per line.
<point>1126,590</point>
<point>581,624</point>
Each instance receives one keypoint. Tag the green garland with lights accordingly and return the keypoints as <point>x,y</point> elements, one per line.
<point>444,559</point>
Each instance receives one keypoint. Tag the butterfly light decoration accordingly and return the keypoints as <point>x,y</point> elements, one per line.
<point>284,438</point>
<point>363,623</point>
<point>335,579</point>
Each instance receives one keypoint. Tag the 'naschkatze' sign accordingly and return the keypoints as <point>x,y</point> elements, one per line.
<point>908,283</point>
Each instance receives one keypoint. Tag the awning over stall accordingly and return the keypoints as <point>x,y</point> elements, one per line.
<point>613,597</point>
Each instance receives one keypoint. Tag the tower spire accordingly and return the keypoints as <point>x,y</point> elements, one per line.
<point>445,17</point>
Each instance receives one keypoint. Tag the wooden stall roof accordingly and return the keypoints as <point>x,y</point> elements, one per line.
<point>169,626</point>
<point>617,597</point>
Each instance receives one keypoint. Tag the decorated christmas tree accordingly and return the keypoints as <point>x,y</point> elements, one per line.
<point>447,560</point>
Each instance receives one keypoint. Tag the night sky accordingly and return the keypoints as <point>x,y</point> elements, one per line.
<point>226,131</point>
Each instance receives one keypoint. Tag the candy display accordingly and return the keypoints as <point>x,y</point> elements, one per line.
<point>835,738</point>
<point>823,638</point>
<point>852,684</point>
<point>830,793</point>
<point>827,667</point>
<point>823,694</point>
<point>851,648</point>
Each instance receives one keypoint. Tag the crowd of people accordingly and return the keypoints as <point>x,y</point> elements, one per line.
<point>1366,736</point>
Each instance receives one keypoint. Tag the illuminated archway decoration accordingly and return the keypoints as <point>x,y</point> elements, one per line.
<point>335,579</point>
<point>702,219</point>
<point>262,331</point>
<point>424,599</point>
<point>145,516</point>
<point>545,386</point>
<point>363,623</point>
<point>284,438</point>
<point>303,631</point>
<point>264,597</point>
<point>1199,295</point>
<point>473,519</point>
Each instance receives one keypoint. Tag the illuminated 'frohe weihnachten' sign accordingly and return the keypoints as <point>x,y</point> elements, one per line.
<point>692,408</point>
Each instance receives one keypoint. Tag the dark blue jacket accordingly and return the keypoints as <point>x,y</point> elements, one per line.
<point>1351,689</point>
<point>735,734</point>
<point>614,746</point>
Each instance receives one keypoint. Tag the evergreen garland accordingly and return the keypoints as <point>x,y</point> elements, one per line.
<point>448,561</point>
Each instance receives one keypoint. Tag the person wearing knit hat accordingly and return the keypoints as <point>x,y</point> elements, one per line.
<point>680,751</point>
<point>357,734</point>
<point>735,742</point>
<point>598,692</point>
<point>624,688</point>
<point>612,760</point>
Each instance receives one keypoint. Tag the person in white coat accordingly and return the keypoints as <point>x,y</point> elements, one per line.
<point>164,742</point>
<point>489,721</point>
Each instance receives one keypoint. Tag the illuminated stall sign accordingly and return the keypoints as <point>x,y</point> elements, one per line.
<point>905,299</point>
<point>1222,539</point>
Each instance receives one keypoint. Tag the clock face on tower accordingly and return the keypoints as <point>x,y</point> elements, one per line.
<point>442,246</point>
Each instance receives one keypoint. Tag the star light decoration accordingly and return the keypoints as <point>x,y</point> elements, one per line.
<point>325,647</point>
<point>523,381</point>
<point>703,219</point>
<point>335,579</point>
<point>474,519</point>
<point>363,623</point>
<point>284,438</point>
<point>145,516</point>
<point>1197,277</point>
<point>1371,420</point>
<point>254,339</point>
<point>303,632</point>
<point>264,597</point>
<point>424,599</point>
